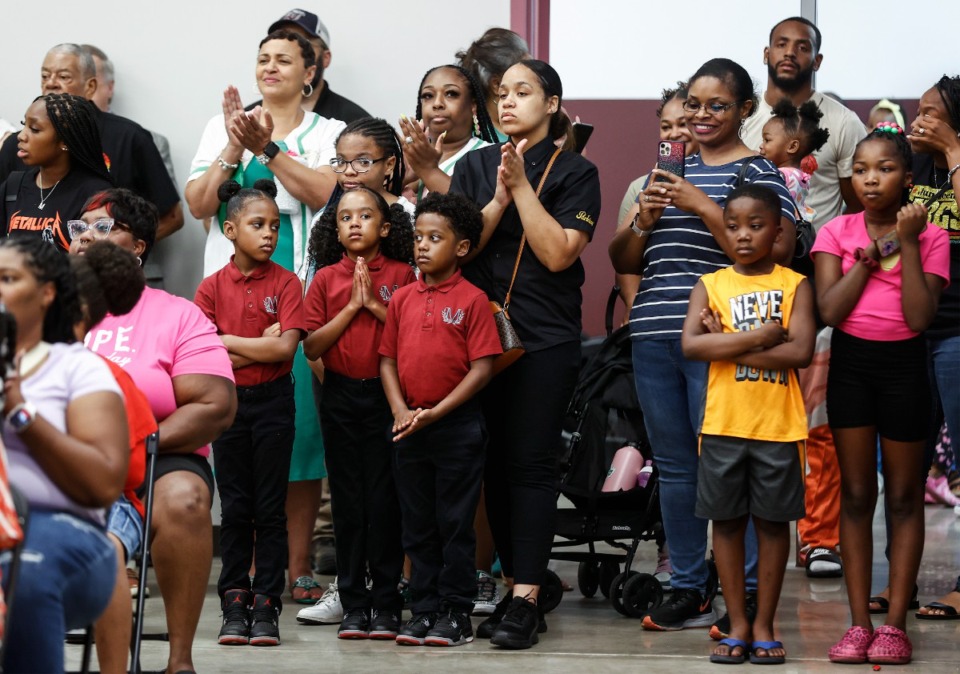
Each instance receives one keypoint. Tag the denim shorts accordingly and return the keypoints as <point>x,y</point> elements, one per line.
<point>123,521</point>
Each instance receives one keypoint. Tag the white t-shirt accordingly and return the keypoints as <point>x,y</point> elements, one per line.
<point>834,159</point>
<point>314,145</point>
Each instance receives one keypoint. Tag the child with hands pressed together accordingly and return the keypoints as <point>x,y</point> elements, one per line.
<point>879,276</point>
<point>438,427</point>
<point>754,323</point>
<point>365,254</point>
<point>257,308</point>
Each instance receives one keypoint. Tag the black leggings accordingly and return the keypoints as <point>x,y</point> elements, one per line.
<point>524,408</point>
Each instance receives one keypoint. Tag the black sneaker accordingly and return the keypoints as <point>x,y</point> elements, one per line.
<point>384,624</point>
<point>486,629</point>
<point>415,630</point>
<point>265,621</point>
<point>519,627</point>
<point>686,608</point>
<point>235,630</point>
<point>721,629</point>
<point>451,629</point>
<point>355,624</point>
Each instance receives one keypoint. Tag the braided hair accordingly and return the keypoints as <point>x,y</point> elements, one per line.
<point>74,119</point>
<point>48,264</point>
<point>486,130</point>
<point>326,249</point>
<point>802,123</point>
<point>949,90</point>
<point>383,134</point>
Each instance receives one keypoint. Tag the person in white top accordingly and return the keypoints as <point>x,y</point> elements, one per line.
<point>279,141</point>
<point>792,57</point>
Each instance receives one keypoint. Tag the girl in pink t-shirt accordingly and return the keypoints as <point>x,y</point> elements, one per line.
<point>879,275</point>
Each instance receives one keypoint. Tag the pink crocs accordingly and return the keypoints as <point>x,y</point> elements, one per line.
<point>852,648</point>
<point>890,646</point>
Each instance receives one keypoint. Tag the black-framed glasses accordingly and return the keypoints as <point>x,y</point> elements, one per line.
<point>711,108</point>
<point>361,165</point>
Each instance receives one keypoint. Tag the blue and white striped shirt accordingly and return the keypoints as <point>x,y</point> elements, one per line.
<point>681,249</point>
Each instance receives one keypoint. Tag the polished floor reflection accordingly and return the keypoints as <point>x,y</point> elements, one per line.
<point>586,635</point>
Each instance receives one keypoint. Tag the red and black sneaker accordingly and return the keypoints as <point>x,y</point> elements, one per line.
<point>265,621</point>
<point>235,630</point>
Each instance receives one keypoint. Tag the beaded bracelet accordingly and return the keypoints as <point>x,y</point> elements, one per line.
<point>226,166</point>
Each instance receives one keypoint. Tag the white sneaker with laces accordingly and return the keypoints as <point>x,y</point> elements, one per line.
<point>327,611</point>
<point>488,594</point>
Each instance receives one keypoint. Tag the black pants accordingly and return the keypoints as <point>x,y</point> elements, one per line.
<point>355,418</point>
<point>439,470</point>
<point>252,463</point>
<point>524,408</point>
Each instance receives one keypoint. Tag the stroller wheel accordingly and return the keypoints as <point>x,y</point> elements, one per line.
<point>616,590</point>
<point>551,592</point>
<point>588,578</point>
<point>640,594</point>
<point>608,572</point>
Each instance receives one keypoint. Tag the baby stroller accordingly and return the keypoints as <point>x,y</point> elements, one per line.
<point>604,415</point>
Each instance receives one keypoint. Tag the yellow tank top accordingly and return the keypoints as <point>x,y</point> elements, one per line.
<point>746,402</point>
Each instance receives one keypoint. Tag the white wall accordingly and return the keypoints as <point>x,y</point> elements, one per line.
<point>173,59</point>
<point>631,49</point>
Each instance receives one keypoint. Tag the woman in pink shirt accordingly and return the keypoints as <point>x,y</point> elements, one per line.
<point>175,357</point>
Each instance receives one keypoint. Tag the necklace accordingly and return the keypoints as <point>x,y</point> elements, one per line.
<point>43,199</point>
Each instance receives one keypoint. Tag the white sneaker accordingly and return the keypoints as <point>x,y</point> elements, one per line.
<point>327,611</point>
<point>488,594</point>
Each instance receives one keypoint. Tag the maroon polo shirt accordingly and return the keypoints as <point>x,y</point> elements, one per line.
<point>354,354</point>
<point>245,306</point>
<point>434,332</point>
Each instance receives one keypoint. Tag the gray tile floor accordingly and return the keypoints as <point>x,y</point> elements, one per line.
<point>586,635</point>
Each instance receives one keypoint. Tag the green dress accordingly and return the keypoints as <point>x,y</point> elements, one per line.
<point>307,461</point>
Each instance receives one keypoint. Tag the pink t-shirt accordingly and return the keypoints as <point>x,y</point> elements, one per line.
<point>878,315</point>
<point>163,337</point>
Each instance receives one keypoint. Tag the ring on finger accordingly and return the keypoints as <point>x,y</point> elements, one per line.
<point>408,140</point>
<point>921,131</point>
<point>646,197</point>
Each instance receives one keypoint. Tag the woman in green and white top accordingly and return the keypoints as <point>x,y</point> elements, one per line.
<point>451,120</point>
<point>279,142</point>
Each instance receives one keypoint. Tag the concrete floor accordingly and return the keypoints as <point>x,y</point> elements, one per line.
<point>587,635</point>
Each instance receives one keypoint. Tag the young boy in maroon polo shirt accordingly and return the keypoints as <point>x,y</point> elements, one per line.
<point>437,351</point>
<point>257,307</point>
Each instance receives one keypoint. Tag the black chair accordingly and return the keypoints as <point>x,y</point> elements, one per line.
<point>13,571</point>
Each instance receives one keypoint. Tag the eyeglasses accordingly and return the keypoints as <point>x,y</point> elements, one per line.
<point>100,228</point>
<point>714,109</point>
<point>361,165</point>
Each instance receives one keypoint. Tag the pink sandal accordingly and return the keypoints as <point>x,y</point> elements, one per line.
<point>937,491</point>
<point>890,646</point>
<point>852,648</point>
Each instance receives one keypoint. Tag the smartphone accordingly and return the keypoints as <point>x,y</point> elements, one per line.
<point>888,244</point>
<point>670,157</point>
<point>581,134</point>
<point>8,345</point>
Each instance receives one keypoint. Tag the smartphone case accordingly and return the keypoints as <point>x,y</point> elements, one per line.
<point>670,157</point>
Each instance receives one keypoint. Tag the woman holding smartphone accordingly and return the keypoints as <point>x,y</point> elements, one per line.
<point>524,405</point>
<point>676,236</point>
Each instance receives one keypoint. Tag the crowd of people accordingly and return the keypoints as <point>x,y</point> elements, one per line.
<point>341,350</point>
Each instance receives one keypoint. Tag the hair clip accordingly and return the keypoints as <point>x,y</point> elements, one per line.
<point>889,127</point>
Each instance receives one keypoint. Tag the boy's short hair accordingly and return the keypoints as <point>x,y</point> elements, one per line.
<point>764,195</point>
<point>461,212</point>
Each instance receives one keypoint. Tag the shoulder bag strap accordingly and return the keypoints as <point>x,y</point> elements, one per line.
<point>523,239</point>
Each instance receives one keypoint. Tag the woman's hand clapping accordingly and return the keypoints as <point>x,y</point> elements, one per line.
<point>253,130</point>
<point>420,154</point>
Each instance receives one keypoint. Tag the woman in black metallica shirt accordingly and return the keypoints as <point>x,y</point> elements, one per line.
<point>60,143</point>
<point>524,405</point>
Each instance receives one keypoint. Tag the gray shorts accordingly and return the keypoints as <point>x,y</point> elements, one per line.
<point>737,476</point>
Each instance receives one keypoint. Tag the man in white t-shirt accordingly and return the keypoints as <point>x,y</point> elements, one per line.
<point>792,57</point>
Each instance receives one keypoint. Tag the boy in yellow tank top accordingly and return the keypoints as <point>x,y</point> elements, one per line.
<point>754,323</point>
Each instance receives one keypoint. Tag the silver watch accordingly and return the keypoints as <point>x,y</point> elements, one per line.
<point>636,230</point>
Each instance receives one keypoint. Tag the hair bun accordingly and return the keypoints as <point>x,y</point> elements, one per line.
<point>810,110</point>
<point>268,187</point>
<point>228,189</point>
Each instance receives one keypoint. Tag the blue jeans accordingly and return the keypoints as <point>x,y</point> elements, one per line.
<point>67,572</point>
<point>670,389</point>
<point>945,362</point>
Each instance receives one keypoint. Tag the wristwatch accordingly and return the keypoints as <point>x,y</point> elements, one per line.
<point>636,230</point>
<point>269,152</point>
<point>22,416</point>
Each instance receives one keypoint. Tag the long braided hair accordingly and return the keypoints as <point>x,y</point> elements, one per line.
<point>485,128</point>
<point>74,120</point>
<point>949,90</point>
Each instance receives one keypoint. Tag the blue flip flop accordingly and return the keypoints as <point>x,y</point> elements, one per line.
<point>766,659</point>
<point>730,659</point>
